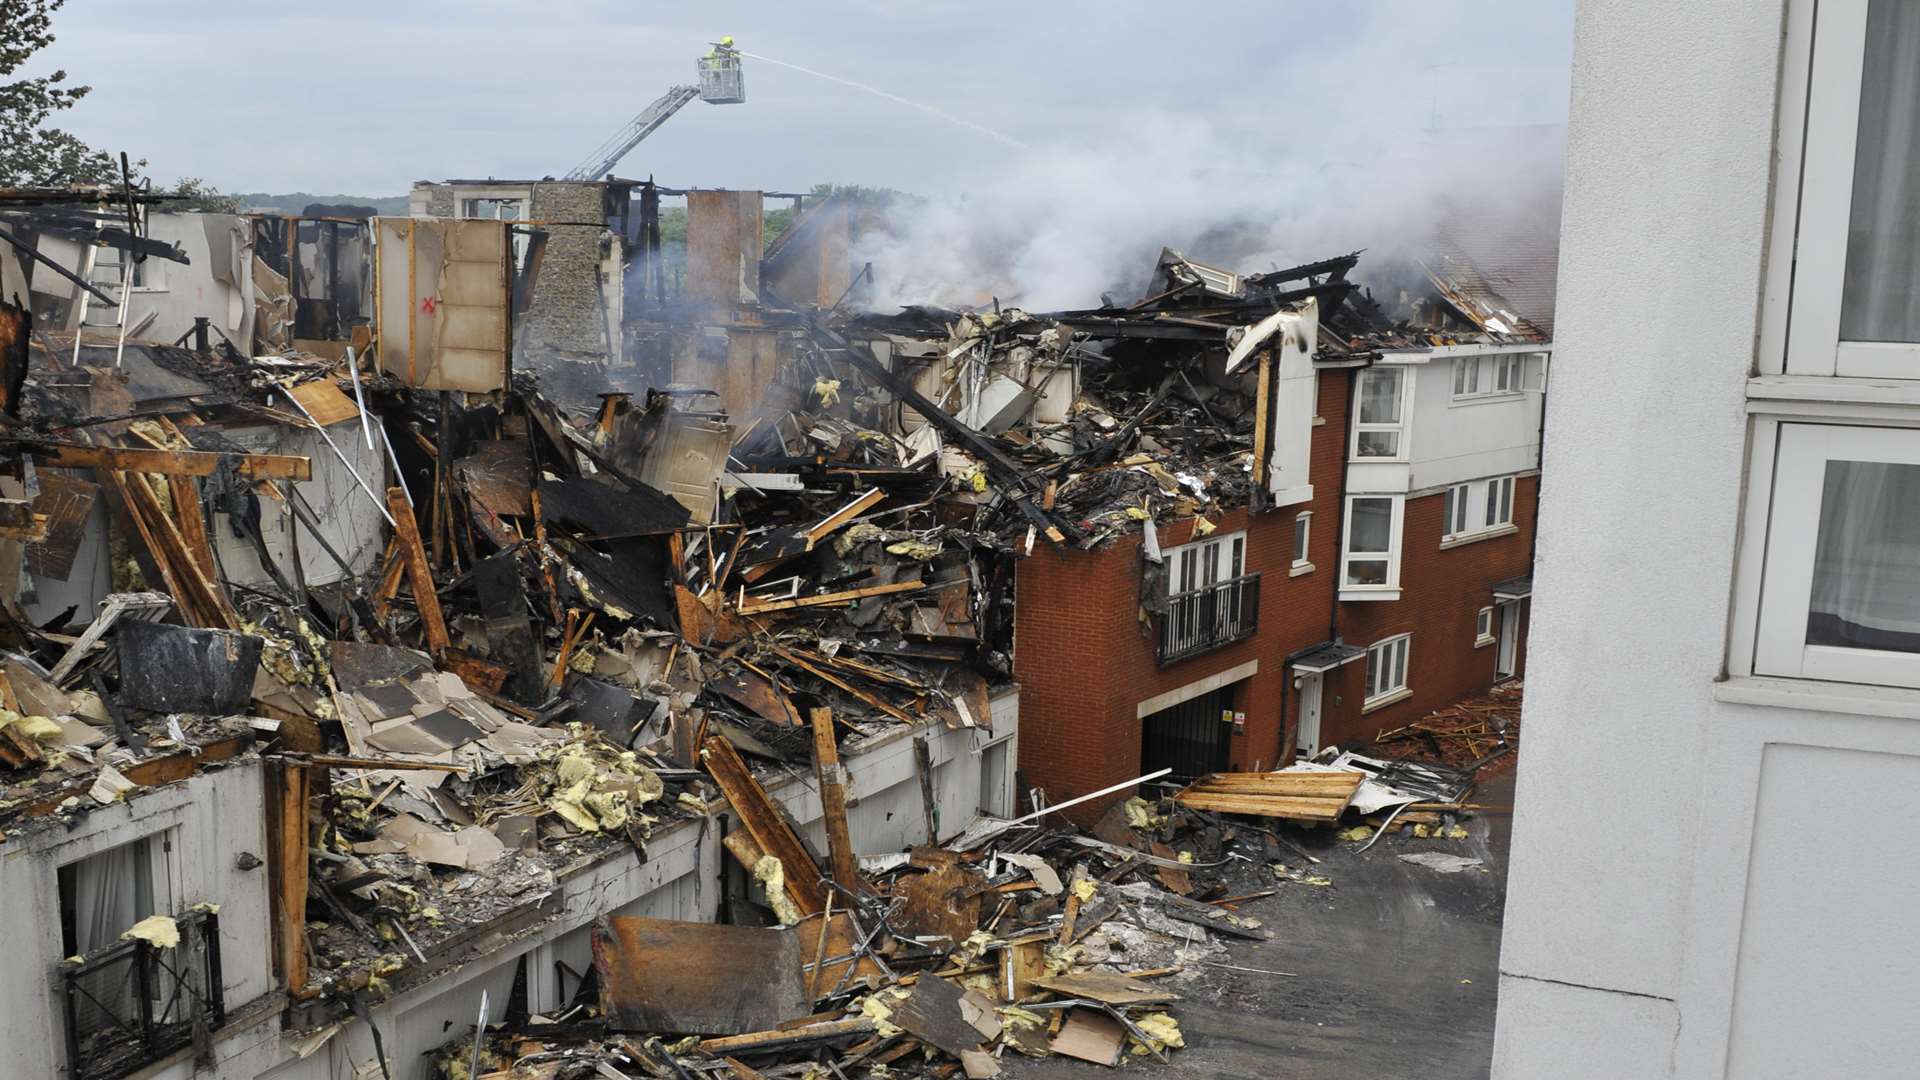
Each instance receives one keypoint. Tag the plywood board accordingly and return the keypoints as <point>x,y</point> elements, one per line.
<point>445,296</point>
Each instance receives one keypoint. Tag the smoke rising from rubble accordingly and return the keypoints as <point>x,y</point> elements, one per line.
<point>1064,223</point>
<point>1061,225</point>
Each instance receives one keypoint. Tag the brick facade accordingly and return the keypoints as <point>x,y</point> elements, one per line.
<point>1442,592</point>
<point>1084,654</point>
<point>1085,659</point>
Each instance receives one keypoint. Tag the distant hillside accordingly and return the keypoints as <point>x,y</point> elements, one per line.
<point>261,202</point>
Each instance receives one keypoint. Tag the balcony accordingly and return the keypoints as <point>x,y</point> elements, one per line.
<point>134,1003</point>
<point>1209,617</point>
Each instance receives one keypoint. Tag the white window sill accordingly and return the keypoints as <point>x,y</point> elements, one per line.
<point>1814,696</point>
<point>1483,642</point>
<point>1384,700</point>
<point>1300,568</point>
<point>1370,592</point>
<point>1464,539</point>
<point>1488,399</point>
<point>1319,421</point>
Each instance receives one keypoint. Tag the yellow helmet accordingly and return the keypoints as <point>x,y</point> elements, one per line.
<point>727,40</point>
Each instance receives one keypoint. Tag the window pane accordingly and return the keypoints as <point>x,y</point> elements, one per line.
<point>1866,560</point>
<point>1300,526</point>
<point>1379,443</point>
<point>1881,298</point>
<point>1506,499</point>
<point>1400,663</point>
<point>1380,396</point>
<point>1370,528</point>
<point>1367,572</point>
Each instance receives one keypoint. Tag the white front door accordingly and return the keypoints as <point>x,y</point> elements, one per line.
<point>1509,639</point>
<point>1309,739</point>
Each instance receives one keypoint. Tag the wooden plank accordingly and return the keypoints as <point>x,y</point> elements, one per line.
<point>1300,809</point>
<point>184,462</point>
<point>842,516</point>
<point>823,674</point>
<point>923,765</point>
<point>753,607</point>
<point>344,762</point>
<point>1262,417</point>
<point>763,820</point>
<point>324,402</point>
<point>208,600</point>
<point>393,569</point>
<point>833,802</point>
<point>785,1038</point>
<point>185,491</point>
<point>288,789</point>
<point>419,574</point>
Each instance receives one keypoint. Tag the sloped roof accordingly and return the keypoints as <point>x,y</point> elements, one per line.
<point>1508,261</point>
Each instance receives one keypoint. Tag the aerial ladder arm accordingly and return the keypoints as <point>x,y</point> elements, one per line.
<point>610,152</point>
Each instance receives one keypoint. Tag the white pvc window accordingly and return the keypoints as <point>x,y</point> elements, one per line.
<point>1840,589</point>
<point>1492,375</point>
<point>1302,531</point>
<point>1207,563</point>
<point>1372,556</point>
<point>1499,500</point>
<point>1459,496</point>
<point>1856,273</point>
<point>1483,627</point>
<point>1380,414</point>
<point>1387,667</point>
<point>1478,507</point>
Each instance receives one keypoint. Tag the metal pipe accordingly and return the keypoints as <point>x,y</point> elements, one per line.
<point>359,399</point>
<point>394,459</point>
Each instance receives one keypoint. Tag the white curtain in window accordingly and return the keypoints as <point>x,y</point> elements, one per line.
<point>110,892</point>
<point>1881,300</point>
<point>1866,562</point>
<point>1380,396</point>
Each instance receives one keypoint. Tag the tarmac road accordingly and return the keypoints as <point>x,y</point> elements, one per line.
<point>1396,972</point>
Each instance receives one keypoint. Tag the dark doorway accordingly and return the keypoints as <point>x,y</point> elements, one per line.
<point>1190,738</point>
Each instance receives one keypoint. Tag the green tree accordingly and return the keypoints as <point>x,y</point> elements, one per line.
<point>197,194</point>
<point>31,154</point>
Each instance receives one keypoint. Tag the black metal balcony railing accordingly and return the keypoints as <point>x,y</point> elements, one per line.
<point>1209,617</point>
<point>135,1003</point>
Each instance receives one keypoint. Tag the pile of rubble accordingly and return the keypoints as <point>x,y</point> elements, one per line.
<point>484,639</point>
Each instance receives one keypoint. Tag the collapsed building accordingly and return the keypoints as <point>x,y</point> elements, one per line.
<point>395,600</point>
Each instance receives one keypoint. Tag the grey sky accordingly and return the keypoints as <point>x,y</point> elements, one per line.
<point>361,98</point>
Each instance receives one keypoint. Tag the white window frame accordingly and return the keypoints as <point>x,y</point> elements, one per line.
<point>1390,588</point>
<point>1457,509</point>
<point>1403,399</point>
<point>1499,499</point>
<point>1478,509</point>
<point>1813,187</point>
<point>1483,628</point>
<point>1802,452</point>
<point>1204,563</point>
<point>1801,378</point>
<point>1490,376</point>
<point>1387,677</point>
<point>1302,542</point>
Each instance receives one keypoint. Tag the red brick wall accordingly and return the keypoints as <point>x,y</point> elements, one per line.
<point>1441,594</point>
<point>1085,660</point>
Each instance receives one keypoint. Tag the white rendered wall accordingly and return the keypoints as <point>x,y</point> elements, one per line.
<point>681,879</point>
<point>1680,904</point>
<point>210,818</point>
<point>1473,438</point>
